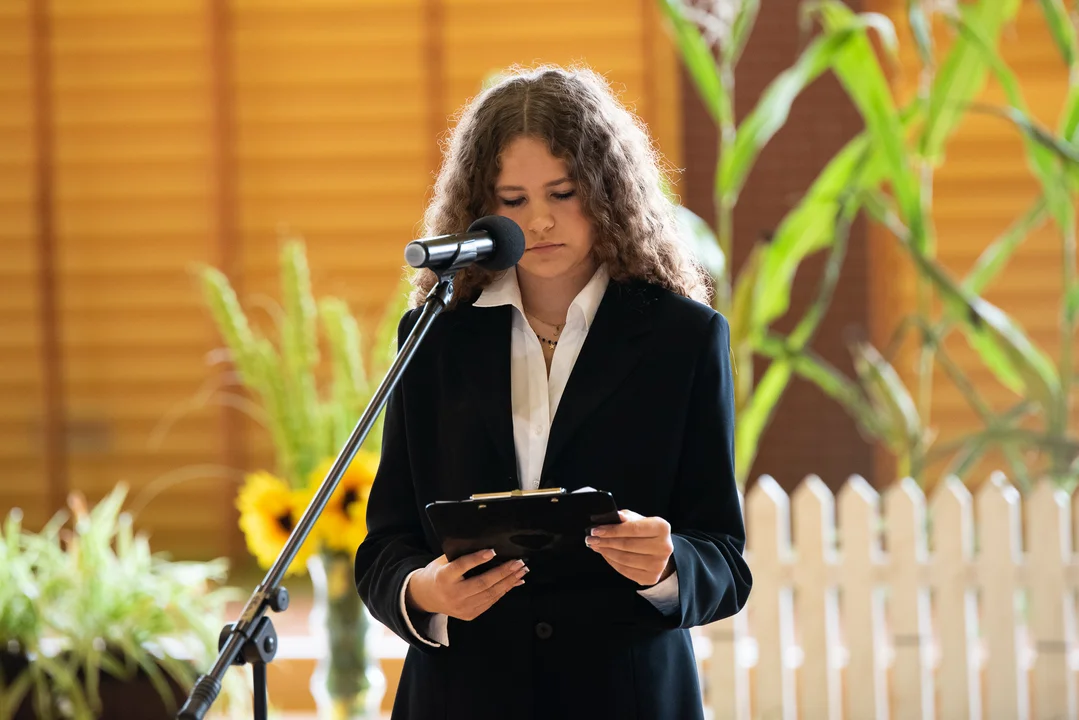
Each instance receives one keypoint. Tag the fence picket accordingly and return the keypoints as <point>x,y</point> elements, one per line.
<point>1051,615</point>
<point>816,601</point>
<point>952,510</point>
<point>727,678</point>
<point>862,601</point>
<point>909,607</point>
<point>965,628</point>
<point>771,610</point>
<point>999,553</point>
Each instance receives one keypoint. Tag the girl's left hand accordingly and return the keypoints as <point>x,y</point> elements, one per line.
<point>639,547</point>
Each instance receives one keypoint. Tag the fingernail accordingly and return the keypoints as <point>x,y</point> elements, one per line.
<point>526,570</point>
<point>590,541</point>
<point>519,583</point>
<point>489,554</point>
<point>598,532</point>
<point>518,564</point>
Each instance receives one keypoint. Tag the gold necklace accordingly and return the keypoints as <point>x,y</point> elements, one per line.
<point>557,328</point>
<point>550,343</point>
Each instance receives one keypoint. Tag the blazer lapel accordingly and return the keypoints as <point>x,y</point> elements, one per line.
<point>611,350</point>
<point>482,353</point>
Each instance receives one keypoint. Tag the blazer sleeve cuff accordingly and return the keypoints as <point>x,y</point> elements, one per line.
<point>436,624</point>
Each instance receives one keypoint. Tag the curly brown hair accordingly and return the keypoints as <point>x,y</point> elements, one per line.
<point>607,152</point>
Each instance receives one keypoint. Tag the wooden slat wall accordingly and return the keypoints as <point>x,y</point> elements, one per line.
<point>982,188</point>
<point>131,84</point>
<point>21,388</point>
<point>334,108</point>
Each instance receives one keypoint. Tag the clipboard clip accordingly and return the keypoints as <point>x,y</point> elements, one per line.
<point>540,492</point>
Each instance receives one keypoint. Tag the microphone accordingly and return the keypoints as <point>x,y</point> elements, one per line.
<point>492,242</point>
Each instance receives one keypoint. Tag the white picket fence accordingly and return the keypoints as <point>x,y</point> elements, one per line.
<point>917,613</point>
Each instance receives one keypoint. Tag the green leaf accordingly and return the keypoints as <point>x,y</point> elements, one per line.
<point>999,341</point>
<point>702,241</point>
<point>1062,29</point>
<point>350,385</point>
<point>742,332</point>
<point>963,73</point>
<point>1071,305</point>
<point>773,109</point>
<point>897,412</point>
<point>299,354</point>
<point>831,381</point>
<point>996,256</point>
<point>860,73</point>
<point>921,30</point>
<point>743,25</point>
<point>810,226</point>
<point>755,417</point>
<point>700,62</point>
<point>1069,121</point>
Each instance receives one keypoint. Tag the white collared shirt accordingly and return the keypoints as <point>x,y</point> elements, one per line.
<point>534,397</point>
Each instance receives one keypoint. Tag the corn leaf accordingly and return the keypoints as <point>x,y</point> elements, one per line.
<point>897,412</point>
<point>773,109</point>
<point>700,62</point>
<point>1071,305</point>
<point>999,341</point>
<point>1062,29</point>
<point>860,73</point>
<point>963,72</point>
<point>921,30</point>
<point>831,381</point>
<point>810,226</point>
<point>996,256</point>
<point>1039,143</point>
<point>702,242</point>
<point>743,25</point>
<point>757,414</point>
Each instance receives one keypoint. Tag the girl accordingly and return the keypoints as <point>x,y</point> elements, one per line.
<point>595,362</point>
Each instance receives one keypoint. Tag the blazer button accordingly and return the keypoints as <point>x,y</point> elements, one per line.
<point>544,630</point>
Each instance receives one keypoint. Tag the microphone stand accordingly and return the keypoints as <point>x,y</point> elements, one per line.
<point>252,638</point>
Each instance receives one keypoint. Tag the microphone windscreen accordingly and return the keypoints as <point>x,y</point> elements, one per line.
<point>508,238</point>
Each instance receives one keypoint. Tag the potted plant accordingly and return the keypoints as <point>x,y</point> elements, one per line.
<point>309,422</point>
<point>95,625</point>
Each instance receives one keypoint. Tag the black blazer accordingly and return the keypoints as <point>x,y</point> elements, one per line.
<point>648,414</point>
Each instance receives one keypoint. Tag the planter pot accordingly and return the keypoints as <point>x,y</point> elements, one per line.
<point>12,664</point>
<point>133,698</point>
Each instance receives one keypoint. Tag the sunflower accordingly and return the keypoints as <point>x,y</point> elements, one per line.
<point>343,524</point>
<point>269,510</point>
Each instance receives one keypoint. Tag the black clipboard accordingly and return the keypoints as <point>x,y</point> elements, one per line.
<point>546,528</point>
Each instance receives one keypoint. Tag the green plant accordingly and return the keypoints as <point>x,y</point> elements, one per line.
<point>306,425</point>
<point>711,46</point>
<point>89,599</point>
<point>887,172</point>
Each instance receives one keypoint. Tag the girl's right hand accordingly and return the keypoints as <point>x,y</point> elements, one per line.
<point>442,588</point>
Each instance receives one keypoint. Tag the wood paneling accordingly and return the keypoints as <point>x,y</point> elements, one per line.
<point>22,399</point>
<point>181,136</point>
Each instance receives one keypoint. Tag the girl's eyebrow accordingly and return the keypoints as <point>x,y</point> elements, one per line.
<point>559,181</point>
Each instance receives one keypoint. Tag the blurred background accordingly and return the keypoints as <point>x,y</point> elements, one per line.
<point>142,141</point>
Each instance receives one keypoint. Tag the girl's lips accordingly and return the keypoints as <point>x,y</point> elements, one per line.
<point>544,248</point>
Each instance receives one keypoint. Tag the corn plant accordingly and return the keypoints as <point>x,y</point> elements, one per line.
<point>887,172</point>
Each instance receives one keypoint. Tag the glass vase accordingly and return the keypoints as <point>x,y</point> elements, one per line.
<point>347,683</point>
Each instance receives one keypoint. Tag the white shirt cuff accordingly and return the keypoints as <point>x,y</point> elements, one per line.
<point>663,595</point>
<point>436,623</point>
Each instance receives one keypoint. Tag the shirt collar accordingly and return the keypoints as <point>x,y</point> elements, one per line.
<point>505,290</point>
